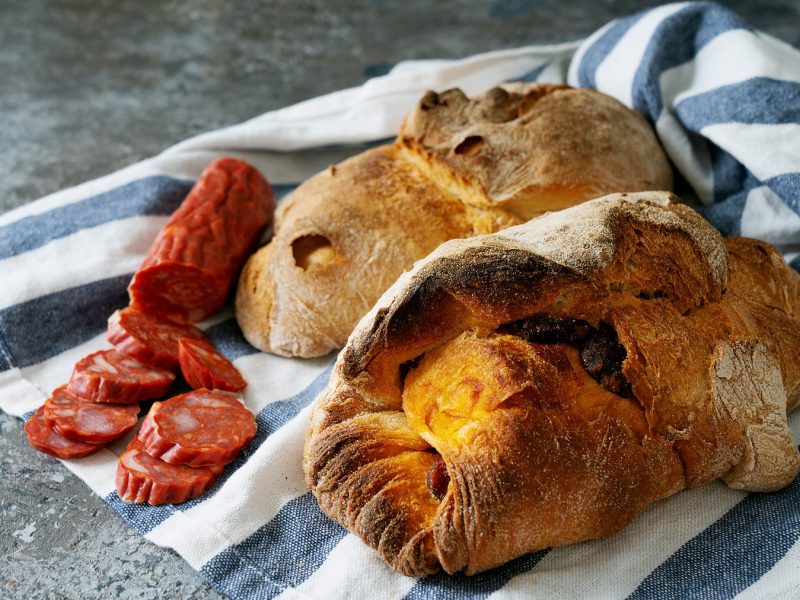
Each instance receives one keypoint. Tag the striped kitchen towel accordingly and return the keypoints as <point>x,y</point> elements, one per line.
<point>725,101</point>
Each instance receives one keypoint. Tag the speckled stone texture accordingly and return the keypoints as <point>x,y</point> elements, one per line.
<point>58,540</point>
<point>90,87</point>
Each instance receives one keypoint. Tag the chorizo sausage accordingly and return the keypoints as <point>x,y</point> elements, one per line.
<point>110,376</point>
<point>200,428</point>
<point>203,366</point>
<point>88,422</point>
<point>46,439</point>
<point>149,338</point>
<point>143,478</point>
<point>191,265</point>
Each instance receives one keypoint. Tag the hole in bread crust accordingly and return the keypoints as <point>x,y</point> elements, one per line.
<point>763,250</point>
<point>313,250</point>
<point>429,100</point>
<point>544,329</point>
<point>650,295</point>
<point>602,356</point>
<point>404,370</point>
<point>470,145</point>
<point>601,353</point>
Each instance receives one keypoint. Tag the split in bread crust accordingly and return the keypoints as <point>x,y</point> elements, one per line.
<point>459,167</point>
<point>567,373</point>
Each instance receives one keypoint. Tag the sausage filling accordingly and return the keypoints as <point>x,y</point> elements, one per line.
<point>601,353</point>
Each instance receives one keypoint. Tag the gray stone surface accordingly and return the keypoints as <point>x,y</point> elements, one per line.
<point>58,540</point>
<point>90,87</point>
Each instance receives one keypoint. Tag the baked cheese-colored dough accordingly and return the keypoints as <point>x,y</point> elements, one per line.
<point>542,385</point>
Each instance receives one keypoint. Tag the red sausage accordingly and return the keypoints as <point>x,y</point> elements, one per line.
<point>203,366</point>
<point>142,478</point>
<point>109,376</point>
<point>200,428</point>
<point>148,338</point>
<point>88,422</point>
<point>191,265</point>
<point>46,439</point>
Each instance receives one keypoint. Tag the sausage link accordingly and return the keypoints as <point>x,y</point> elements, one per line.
<point>192,264</point>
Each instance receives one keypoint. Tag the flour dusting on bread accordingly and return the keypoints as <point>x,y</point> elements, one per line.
<point>583,237</point>
<point>748,386</point>
<point>560,375</point>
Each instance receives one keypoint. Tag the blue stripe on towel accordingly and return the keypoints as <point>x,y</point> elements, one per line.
<point>730,176</point>
<point>759,100</point>
<point>601,48</point>
<point>228,339</point>
<point>475,587</point>
<point>272,417</point>
<point>726,215</point>
<point>158,195</point>
<point>6,361</point>
<point>787,186</point>
<point>732,184</point>
<point>48,325</point>
<point>531,75</point>
<point>733,553</point>
<point>283,553</point>
<point>676,40</point>
<point>283,189</point>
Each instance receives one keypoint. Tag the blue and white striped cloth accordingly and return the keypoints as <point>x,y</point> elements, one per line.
<point>725,100</point>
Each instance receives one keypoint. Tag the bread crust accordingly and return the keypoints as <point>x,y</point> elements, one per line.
<point>542,455</point>
<point>459,167</point>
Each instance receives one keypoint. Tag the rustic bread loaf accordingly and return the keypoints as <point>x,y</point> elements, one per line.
<point>459,167</point>
<point>542,385</point>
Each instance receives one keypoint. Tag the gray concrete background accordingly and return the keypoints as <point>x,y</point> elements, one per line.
<point>89,87</point>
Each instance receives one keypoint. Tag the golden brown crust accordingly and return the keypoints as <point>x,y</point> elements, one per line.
<point>546,148</point>
<point>459,168</point>
<point>291,302</point>
<point>538,452</point>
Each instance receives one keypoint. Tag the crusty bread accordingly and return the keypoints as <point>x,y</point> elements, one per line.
<point>458,168</point>
<point>477,412</point>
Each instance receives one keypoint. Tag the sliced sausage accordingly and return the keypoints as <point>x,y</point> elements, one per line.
<point>46,439</point>
<point>191,265</point>
<point>203,366</point>
<point>148,338</point>
<point>200,428</point>
<point>89,422</point>
<point>110,376</point>
<point>143,478</point>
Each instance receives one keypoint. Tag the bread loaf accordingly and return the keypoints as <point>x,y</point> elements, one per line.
<point>542,385</point>
<point>459,167</point>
